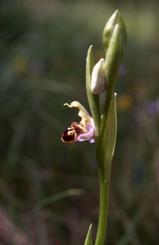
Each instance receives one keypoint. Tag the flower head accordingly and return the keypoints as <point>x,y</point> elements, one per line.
<point>79,131</point>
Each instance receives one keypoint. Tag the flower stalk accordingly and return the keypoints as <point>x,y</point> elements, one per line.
<point>103,210</point>
<point>101,125</point>
<point>114,41</point>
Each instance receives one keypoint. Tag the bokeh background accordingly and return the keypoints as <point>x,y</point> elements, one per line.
<point>48,190</point>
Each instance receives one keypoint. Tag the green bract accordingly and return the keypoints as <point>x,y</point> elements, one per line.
<point>89,239</point>
<point>93,100</point>
<point>109,137</point>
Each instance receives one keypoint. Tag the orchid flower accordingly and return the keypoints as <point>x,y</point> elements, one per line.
<point>79,131</point>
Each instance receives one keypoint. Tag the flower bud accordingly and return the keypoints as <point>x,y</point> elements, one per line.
<point>115,19</point>
<point>98,80</point>
<point>115,49</point>
<point>109,27</point>
<point>114,55</point>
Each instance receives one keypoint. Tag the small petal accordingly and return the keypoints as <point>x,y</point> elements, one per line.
<point>82,111</point>
<point>92,140</point>
<point>89,133</point>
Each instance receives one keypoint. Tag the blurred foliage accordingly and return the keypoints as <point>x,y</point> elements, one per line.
<point>43,48</point>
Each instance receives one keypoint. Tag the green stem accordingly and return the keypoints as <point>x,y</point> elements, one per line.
<point>103,211</point>
<point>103,181</point>
<point>105,114</point>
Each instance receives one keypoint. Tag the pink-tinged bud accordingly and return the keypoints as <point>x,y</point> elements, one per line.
<point>98,81</point>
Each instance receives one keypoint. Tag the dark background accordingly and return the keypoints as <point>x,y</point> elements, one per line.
<point>43,46</point>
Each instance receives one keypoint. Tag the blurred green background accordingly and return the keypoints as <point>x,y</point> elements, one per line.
<point>43,46</point>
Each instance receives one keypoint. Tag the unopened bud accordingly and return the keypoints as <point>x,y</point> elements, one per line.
<point>109,27</point>
<point>115,50</point>
<point>115,19</point>
<point>98,81</point>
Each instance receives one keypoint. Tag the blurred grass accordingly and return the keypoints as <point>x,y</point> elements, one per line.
<point>42,63</point>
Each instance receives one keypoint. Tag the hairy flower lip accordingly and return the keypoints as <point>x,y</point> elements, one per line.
<point>67,137</point>
<point>79,131</point>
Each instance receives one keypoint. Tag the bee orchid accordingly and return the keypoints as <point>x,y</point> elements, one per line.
<point>79,131</point>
